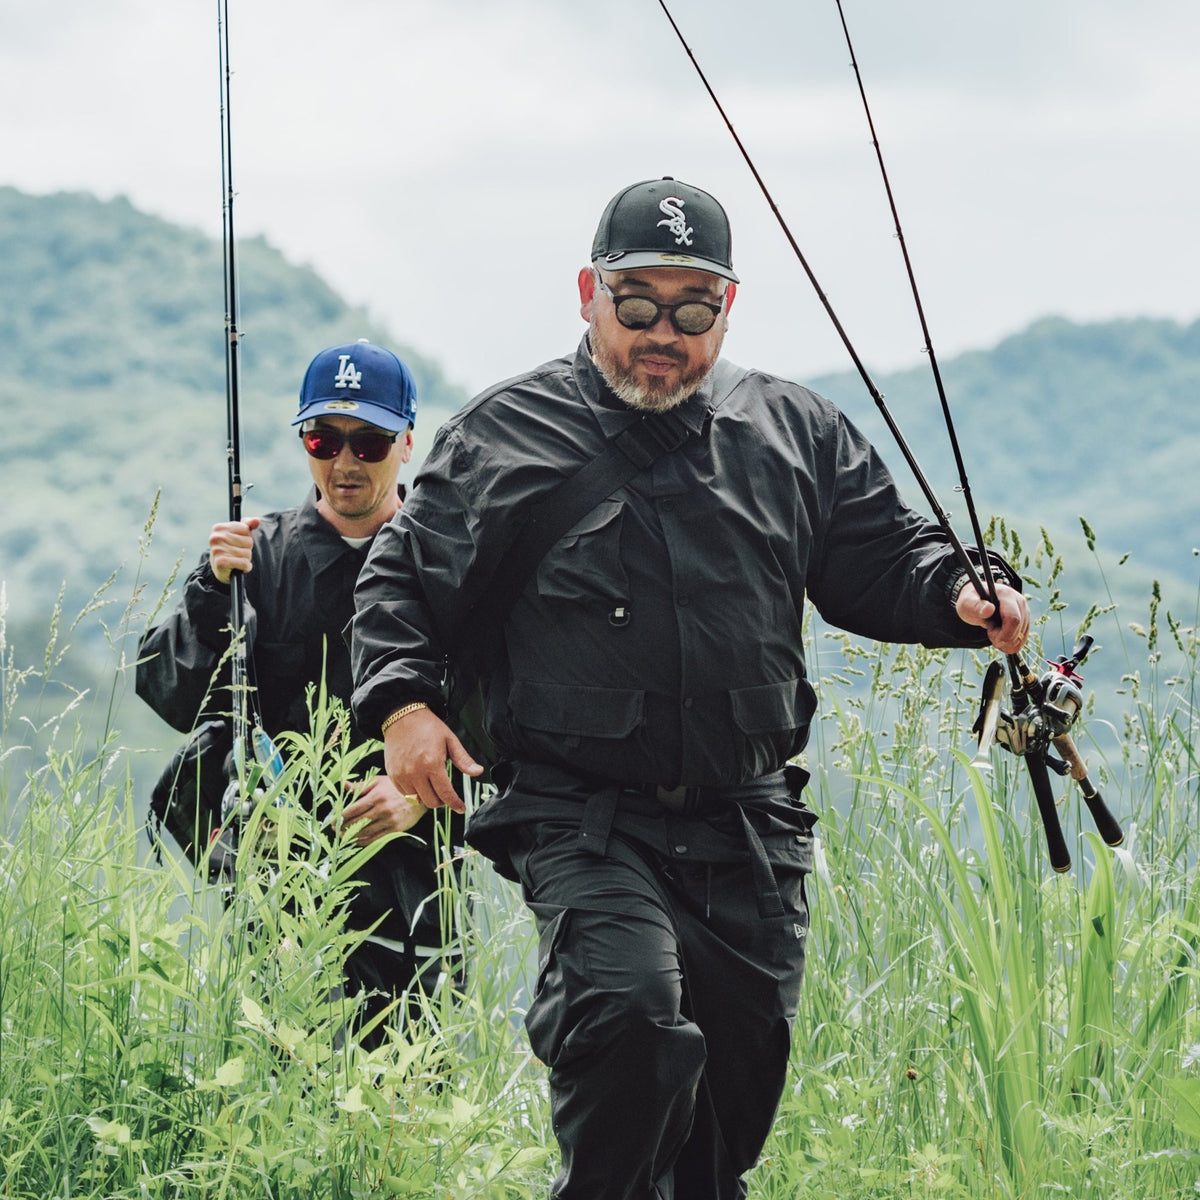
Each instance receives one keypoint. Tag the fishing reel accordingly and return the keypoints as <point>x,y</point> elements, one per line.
<point>1044,710</point>
<point>1055,702</point>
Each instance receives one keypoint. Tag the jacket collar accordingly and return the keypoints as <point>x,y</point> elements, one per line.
<point>323,546</point>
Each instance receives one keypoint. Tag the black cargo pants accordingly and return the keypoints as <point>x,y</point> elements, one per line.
<point>663,1010</point>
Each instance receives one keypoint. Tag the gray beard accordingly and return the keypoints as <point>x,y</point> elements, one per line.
<point>638,397</point>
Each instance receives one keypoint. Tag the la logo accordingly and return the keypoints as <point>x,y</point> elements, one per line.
<point>348,376</point>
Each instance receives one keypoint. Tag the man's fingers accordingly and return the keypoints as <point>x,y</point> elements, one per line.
<point>459,757</point>
<point>444,794</point>
<point>416,750</point>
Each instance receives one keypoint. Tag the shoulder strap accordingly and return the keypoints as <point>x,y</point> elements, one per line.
<point>625,456</point>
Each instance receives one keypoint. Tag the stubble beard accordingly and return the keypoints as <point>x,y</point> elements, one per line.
<point>656,396</point>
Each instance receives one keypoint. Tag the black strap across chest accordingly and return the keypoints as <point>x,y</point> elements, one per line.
<point>625,456</point>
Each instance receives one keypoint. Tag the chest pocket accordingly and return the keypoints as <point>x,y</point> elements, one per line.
<point>585,564</point>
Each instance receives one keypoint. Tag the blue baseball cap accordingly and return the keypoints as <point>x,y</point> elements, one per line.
<point>359,380</point>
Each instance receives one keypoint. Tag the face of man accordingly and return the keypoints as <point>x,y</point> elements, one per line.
<point>658,367</point>
<point>357,497</point>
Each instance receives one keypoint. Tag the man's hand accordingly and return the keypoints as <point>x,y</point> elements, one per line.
<point>384,808</point>
<point>1007,634</point>
<point>415,751</point>
<point>229,547</point>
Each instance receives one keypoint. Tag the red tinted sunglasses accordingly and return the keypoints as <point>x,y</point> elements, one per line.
<point>367,446</point>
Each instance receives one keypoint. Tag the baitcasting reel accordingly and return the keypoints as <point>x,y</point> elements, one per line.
<point>1043,711</point>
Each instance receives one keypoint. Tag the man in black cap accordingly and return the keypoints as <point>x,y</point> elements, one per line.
<point>647,688</point>
<point>357,407</point>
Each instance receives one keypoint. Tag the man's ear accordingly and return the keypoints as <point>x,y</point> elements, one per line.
<point>587,292</point>
<point>406,445</point>
<point>730,293</point>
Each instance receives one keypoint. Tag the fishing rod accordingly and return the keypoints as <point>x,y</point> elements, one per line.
<point>1039,718</point>
<point>251,744</point>
<point>1045,707</point>
<point>964,484</point>
<point>233,453</point>
<point>988,589</point>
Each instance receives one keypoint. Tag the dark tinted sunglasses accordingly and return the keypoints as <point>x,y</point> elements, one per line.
<point>367,446</point>
<point>640,312</point>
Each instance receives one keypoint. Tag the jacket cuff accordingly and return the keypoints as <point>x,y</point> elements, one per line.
<point>207,579</point>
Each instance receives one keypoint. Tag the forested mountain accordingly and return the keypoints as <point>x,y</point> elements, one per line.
<point>113,392</point>
<point>112,328</point>
<point>1063,420</point>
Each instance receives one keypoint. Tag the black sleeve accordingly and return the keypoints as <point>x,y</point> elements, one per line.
<point>180,660</point>
<point>881,570</point>
<point>418,587</point>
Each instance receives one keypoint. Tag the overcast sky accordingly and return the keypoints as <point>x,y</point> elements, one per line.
<point>444,162</point>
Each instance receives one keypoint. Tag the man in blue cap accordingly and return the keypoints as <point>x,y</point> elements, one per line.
<point>357,407</point>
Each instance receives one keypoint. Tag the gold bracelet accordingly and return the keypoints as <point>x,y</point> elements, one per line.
<point>401,712</point>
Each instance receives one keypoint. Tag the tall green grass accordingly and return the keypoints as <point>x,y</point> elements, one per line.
<point>972,1025</point>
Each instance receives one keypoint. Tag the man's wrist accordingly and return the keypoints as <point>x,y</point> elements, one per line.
<point>208,578</point>
<point>400,713</point>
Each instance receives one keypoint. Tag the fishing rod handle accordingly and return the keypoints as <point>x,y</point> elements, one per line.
<point>1056,844</point>
<point>1106,824</point>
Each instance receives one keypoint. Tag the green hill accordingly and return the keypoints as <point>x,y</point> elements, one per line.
<point>1057,422</point>
<point>113,327</point>
<point>1064,419</point>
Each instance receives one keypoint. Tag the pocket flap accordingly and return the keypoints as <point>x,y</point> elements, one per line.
<point>573,709</point>
<point>772,707</point>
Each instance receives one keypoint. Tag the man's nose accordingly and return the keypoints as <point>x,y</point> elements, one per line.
<point>663,329</point>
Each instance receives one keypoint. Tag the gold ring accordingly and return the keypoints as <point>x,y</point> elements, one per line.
<point>412,797</point>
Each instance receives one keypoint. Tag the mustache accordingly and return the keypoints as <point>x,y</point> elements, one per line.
<point>673,355</point>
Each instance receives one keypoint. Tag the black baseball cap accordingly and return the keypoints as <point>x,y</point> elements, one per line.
<point>664,223</point>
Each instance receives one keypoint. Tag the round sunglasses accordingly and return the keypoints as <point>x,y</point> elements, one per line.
<point>369,446</point>
<point>693,317</point>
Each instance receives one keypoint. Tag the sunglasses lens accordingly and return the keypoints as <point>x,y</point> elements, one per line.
<point>636,312</point>
<point>366,447</point>
<point>323,444</point>
<point>694,318</point>
<point>371,447</point>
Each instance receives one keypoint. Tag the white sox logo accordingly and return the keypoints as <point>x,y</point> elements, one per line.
<point>676,222</point>
<point>348,376</point>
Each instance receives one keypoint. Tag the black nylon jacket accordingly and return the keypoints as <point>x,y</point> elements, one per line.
<point>299,597</point>
<point>660,639</point>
